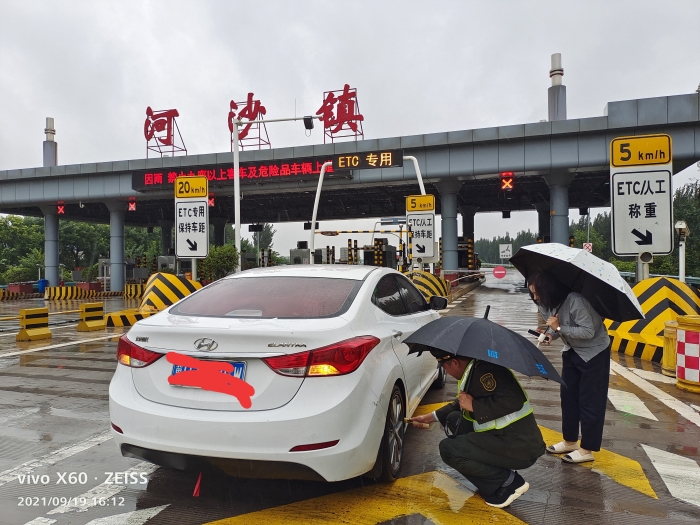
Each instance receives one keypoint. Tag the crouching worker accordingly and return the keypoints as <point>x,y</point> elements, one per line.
<point>491,429</point>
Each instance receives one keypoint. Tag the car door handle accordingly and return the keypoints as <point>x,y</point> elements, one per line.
<point>396,333</point>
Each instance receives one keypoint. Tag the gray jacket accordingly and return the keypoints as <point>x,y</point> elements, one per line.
<point>581,327</point>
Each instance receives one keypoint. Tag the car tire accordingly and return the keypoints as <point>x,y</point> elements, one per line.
<point>391,449</point>
<point>440,380</point>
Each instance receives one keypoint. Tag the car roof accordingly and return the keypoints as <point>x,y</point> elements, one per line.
<point>332,271</point>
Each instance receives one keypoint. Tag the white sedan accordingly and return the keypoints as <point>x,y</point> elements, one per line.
<point>321,347</point>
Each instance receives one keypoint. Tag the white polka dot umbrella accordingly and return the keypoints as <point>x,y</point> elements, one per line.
<point>595,279</point>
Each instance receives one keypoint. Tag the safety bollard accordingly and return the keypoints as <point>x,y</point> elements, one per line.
<point>34,324</point>
<point>688,353</point>
<point>668,359</point>
<point>92,317</point>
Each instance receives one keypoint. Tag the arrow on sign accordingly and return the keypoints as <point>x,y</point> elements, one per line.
<point>193,245</point>
<point>643,239</point>
<point>420,248</point>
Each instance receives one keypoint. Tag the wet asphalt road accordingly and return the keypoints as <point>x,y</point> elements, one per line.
<point>54,422</point>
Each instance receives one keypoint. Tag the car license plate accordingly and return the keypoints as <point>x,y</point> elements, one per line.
<point>238,370</point>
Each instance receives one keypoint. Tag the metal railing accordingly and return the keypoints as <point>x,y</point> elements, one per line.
<point>695,281</point>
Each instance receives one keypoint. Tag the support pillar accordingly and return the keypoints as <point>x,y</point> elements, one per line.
<point>219,224</point>
<point>559,206</point>
<point>468,213</point>
<point>51,245</point>
<point>117,268</point>
<point>543,218</point>
<point>166,236</point>
<point>448,204</point>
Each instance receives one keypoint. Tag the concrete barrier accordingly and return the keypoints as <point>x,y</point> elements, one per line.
<point>34,324</point>
<point>429,284</point>
<point>134,291</point>
<point>165,289</point>
<point>92,317</point>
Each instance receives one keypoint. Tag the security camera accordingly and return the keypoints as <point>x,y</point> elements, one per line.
<point>682,229</point>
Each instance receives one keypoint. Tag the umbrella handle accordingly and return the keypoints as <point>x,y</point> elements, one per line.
<point>486,313</point>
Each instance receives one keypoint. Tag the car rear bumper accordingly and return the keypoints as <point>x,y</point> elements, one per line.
<point>341,408</point>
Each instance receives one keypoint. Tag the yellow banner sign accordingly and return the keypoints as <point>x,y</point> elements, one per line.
<point>191,187</point>
<point>642,150</point>
<point>420,203</point>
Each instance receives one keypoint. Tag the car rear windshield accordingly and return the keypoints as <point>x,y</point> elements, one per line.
<point>272,297</point>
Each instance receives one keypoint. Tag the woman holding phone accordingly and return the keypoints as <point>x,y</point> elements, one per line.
<point>586,367</point>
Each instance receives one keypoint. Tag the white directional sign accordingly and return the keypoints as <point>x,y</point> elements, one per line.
<point>423,228</point>
<point>192,228</point>
<point>505,251</point>
<point>641,194</point>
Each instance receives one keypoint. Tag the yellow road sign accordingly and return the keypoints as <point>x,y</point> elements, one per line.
<point>420,203</point>
<point>191,187</point>
<point>642,150</point>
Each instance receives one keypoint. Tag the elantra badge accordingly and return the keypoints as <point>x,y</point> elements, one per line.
<point>286,345</point>
<point>205,344</point>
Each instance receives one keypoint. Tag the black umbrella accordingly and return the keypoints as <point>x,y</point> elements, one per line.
<point>483,340</point>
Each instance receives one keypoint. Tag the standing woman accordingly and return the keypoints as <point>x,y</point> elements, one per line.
<point>586,368</point>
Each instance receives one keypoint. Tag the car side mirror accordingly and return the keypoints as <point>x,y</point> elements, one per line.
<point>438,303</point>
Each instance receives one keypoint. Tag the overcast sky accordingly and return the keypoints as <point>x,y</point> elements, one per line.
<point>419,67</point>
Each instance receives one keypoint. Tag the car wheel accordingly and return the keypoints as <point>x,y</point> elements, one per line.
<point>391,449</point>
<point>440,380</point>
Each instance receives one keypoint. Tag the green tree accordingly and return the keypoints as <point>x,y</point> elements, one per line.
<point>82,243</point>
<point>221,261</point>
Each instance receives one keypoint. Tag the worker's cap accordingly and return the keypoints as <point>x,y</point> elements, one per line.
<point>441,355</point>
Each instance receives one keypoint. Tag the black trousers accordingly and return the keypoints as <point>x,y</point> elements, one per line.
<point>585,397</point>
<point>484,468</point>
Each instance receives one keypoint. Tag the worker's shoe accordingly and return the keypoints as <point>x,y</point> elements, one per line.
<point>561,448</point>
<point>504,496</point>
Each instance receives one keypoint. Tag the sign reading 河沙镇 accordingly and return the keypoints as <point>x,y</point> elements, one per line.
<point>642,150</point>
<point>392,158</point>
<point>222,174</point>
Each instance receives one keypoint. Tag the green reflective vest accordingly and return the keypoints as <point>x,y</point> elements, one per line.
<point>501,422</point>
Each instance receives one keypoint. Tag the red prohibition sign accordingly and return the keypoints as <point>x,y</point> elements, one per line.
<point>499,272</point>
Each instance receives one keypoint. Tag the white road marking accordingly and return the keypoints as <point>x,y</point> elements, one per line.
<point>40,521</point>
<point>667,399</point>
<point>102,491</point>
<point>451,306</point>
<point>612,373</point>
<point>653,376</point>
<point>680,474</point>
<point>60,345</point>
<point>696,407</point>
<point>629,403</point>
<point>136,517</point>
<point>53,458</point>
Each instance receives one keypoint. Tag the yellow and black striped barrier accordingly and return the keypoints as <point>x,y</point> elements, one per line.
<point>8,296</point>
<point>92,317</point>
<point>428,284</point>
<point>133,290</point>
<point>662,299</point>
<point>127,317</point>
<point>34,324</point>
<point>165,289</point>
<point>67,292</point>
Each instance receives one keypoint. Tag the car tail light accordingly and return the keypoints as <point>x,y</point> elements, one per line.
<point>333,360</point>
<point>115,427</point>
<point>134,356</point>
<point>289,365</point>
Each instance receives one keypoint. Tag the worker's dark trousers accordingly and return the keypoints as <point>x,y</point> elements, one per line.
<point>585,397</point>
<point>486,470</point>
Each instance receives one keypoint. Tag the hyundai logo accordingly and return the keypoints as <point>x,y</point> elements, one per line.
<point>205,344</point>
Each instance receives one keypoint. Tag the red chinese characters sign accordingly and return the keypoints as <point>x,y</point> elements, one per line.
<point>159,130</point>
<point>249,172</point>
<point>249,110</point>
<point>340,114</point>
